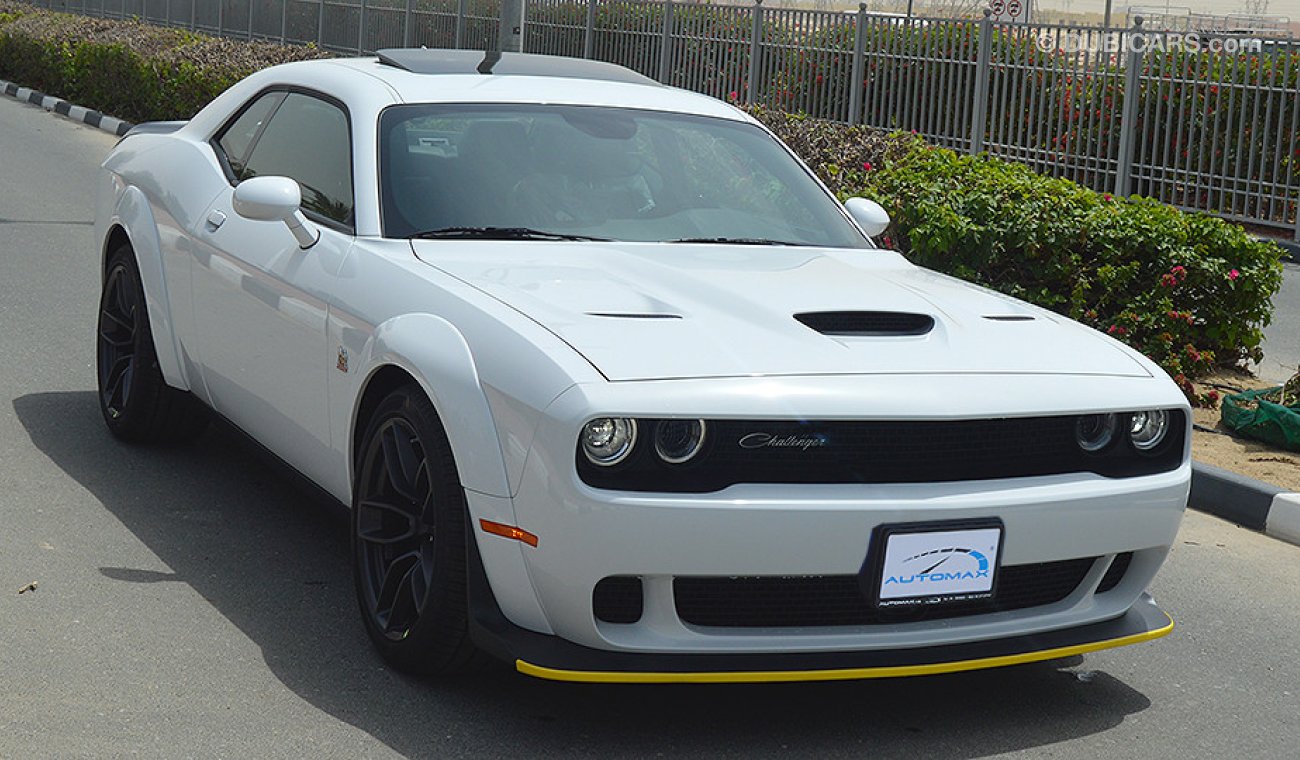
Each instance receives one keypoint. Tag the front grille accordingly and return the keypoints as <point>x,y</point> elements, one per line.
<point>1115,573</point>
<point>835,600</point>
<point>867,323</point>
<point>618,599</point>
<point>879,451</point>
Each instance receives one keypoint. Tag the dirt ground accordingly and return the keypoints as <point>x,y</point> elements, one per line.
<point>1242,456</point>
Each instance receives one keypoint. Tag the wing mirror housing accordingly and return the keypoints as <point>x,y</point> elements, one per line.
<point>870,216</point>
<point>275,199</point>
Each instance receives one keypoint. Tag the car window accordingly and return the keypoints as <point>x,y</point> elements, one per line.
<point>307,140</point>
<point>602,172</point>
<point>238,137</point>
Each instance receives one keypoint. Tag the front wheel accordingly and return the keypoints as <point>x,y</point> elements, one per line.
<point>408,539</point>
<point>136,402</point>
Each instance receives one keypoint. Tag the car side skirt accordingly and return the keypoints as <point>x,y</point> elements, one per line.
<point>552,658</point>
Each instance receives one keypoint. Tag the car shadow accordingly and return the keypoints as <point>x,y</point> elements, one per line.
<point>273,558</point>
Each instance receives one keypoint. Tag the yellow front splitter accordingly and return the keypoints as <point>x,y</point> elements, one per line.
<point>843,674</point>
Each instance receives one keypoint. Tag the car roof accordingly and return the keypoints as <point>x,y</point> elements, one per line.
<point>496,63</point>
<point>453,76</point>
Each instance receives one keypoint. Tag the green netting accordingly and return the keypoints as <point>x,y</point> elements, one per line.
<point>1254,415</point>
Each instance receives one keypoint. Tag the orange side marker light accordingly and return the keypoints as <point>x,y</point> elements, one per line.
<point>508,531</point>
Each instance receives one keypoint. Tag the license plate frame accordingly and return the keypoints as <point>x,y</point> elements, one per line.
<point>900,553</point>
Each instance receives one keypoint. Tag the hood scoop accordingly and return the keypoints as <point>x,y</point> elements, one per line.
<point>870,324</point>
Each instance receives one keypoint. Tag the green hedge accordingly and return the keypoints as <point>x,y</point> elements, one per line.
<point>1190,291</point>
<point>129,69</point>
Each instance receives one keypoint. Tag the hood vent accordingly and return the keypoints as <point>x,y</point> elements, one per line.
<point>633,315</point>
<point>867,323</point>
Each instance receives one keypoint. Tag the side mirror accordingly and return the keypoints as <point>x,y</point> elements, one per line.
<point>275,199</point>
<point>868,214</point>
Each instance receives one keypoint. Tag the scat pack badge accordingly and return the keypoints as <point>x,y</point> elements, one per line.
<point>343,360</point>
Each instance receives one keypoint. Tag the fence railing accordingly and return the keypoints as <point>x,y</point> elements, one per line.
<point>1207,122</point>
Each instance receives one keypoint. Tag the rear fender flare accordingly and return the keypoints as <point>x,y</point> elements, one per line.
<point>133,215</point>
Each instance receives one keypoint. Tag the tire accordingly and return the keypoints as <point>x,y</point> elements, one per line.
<point>409,539</point>
<point>137,404</point>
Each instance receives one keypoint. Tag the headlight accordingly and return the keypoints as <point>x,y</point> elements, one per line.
<point>608,440</point>
<point>676,441</point>
<point>1148,429</point>
<point>1094,432</point>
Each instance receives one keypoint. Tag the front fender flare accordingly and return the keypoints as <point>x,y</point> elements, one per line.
<point>433,351</point>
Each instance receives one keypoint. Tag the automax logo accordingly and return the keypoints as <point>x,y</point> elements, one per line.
<point>974,566</point>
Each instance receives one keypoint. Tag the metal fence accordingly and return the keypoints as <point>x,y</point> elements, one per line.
<point>1203,122</point>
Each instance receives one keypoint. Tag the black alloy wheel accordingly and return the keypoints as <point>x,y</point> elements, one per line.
<point>119,316</point>
<point>409,537</point>
<point>137,404</point>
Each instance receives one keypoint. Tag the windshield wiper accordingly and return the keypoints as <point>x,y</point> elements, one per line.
<point>736,241</point>
<point>500,233</point>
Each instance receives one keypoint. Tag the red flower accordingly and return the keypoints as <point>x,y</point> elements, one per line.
<point>866,167</point>
<point>1234,274</point>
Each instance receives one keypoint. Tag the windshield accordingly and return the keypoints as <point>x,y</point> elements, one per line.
<point>595,173</point>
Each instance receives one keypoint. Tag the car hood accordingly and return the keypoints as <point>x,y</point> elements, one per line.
<point>640,311</point>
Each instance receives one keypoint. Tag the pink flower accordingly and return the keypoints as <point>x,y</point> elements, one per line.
<point>1107,197</point>
<point>1179,271</point>
<point>866,167</point>
<point>1234,274</point>
<point>733,95</point>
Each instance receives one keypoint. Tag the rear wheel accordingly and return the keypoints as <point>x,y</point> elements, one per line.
<point>137,404</point>
<point>408,539</point>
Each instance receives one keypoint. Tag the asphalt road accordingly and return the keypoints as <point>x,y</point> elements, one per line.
<point>1282,337</point>
<point>195,603</point>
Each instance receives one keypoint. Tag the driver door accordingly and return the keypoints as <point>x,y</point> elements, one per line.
<point>261,302</point>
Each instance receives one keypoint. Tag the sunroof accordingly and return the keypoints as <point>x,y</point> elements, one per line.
<point>425,61</point>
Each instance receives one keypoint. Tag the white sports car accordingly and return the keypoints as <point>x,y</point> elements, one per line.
<point>617,390</point>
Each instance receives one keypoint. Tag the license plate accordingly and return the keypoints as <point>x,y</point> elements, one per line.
<point>936,563</point>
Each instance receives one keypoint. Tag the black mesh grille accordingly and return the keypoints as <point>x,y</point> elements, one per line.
<point>880,451</point>
<point>618,599</point>
<point>1115,573</point>
<point>831,600</point>
<point>867,323</point>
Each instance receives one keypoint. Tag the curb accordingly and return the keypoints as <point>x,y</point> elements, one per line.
<point>86,116</point>
<point>1248,502</point>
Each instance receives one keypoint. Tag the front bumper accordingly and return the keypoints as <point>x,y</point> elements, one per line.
<point>552,658</point>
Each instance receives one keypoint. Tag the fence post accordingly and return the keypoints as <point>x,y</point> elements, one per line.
<point>361,29</point>
<point>755,54</point>
<point>460,23</point>
<point>221,19</point>
<point>666,43</point>
<point>406,25</point>
<point>320,23</point>
<point>983,61</point>
<point>284,20</point>
<point>859,64</point>
<point>194,19</point>
<point>250,20</point>
<point>1128,114</point>
<point>589,34</point>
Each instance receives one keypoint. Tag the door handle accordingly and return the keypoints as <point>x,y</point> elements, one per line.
<point>215,220</point>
